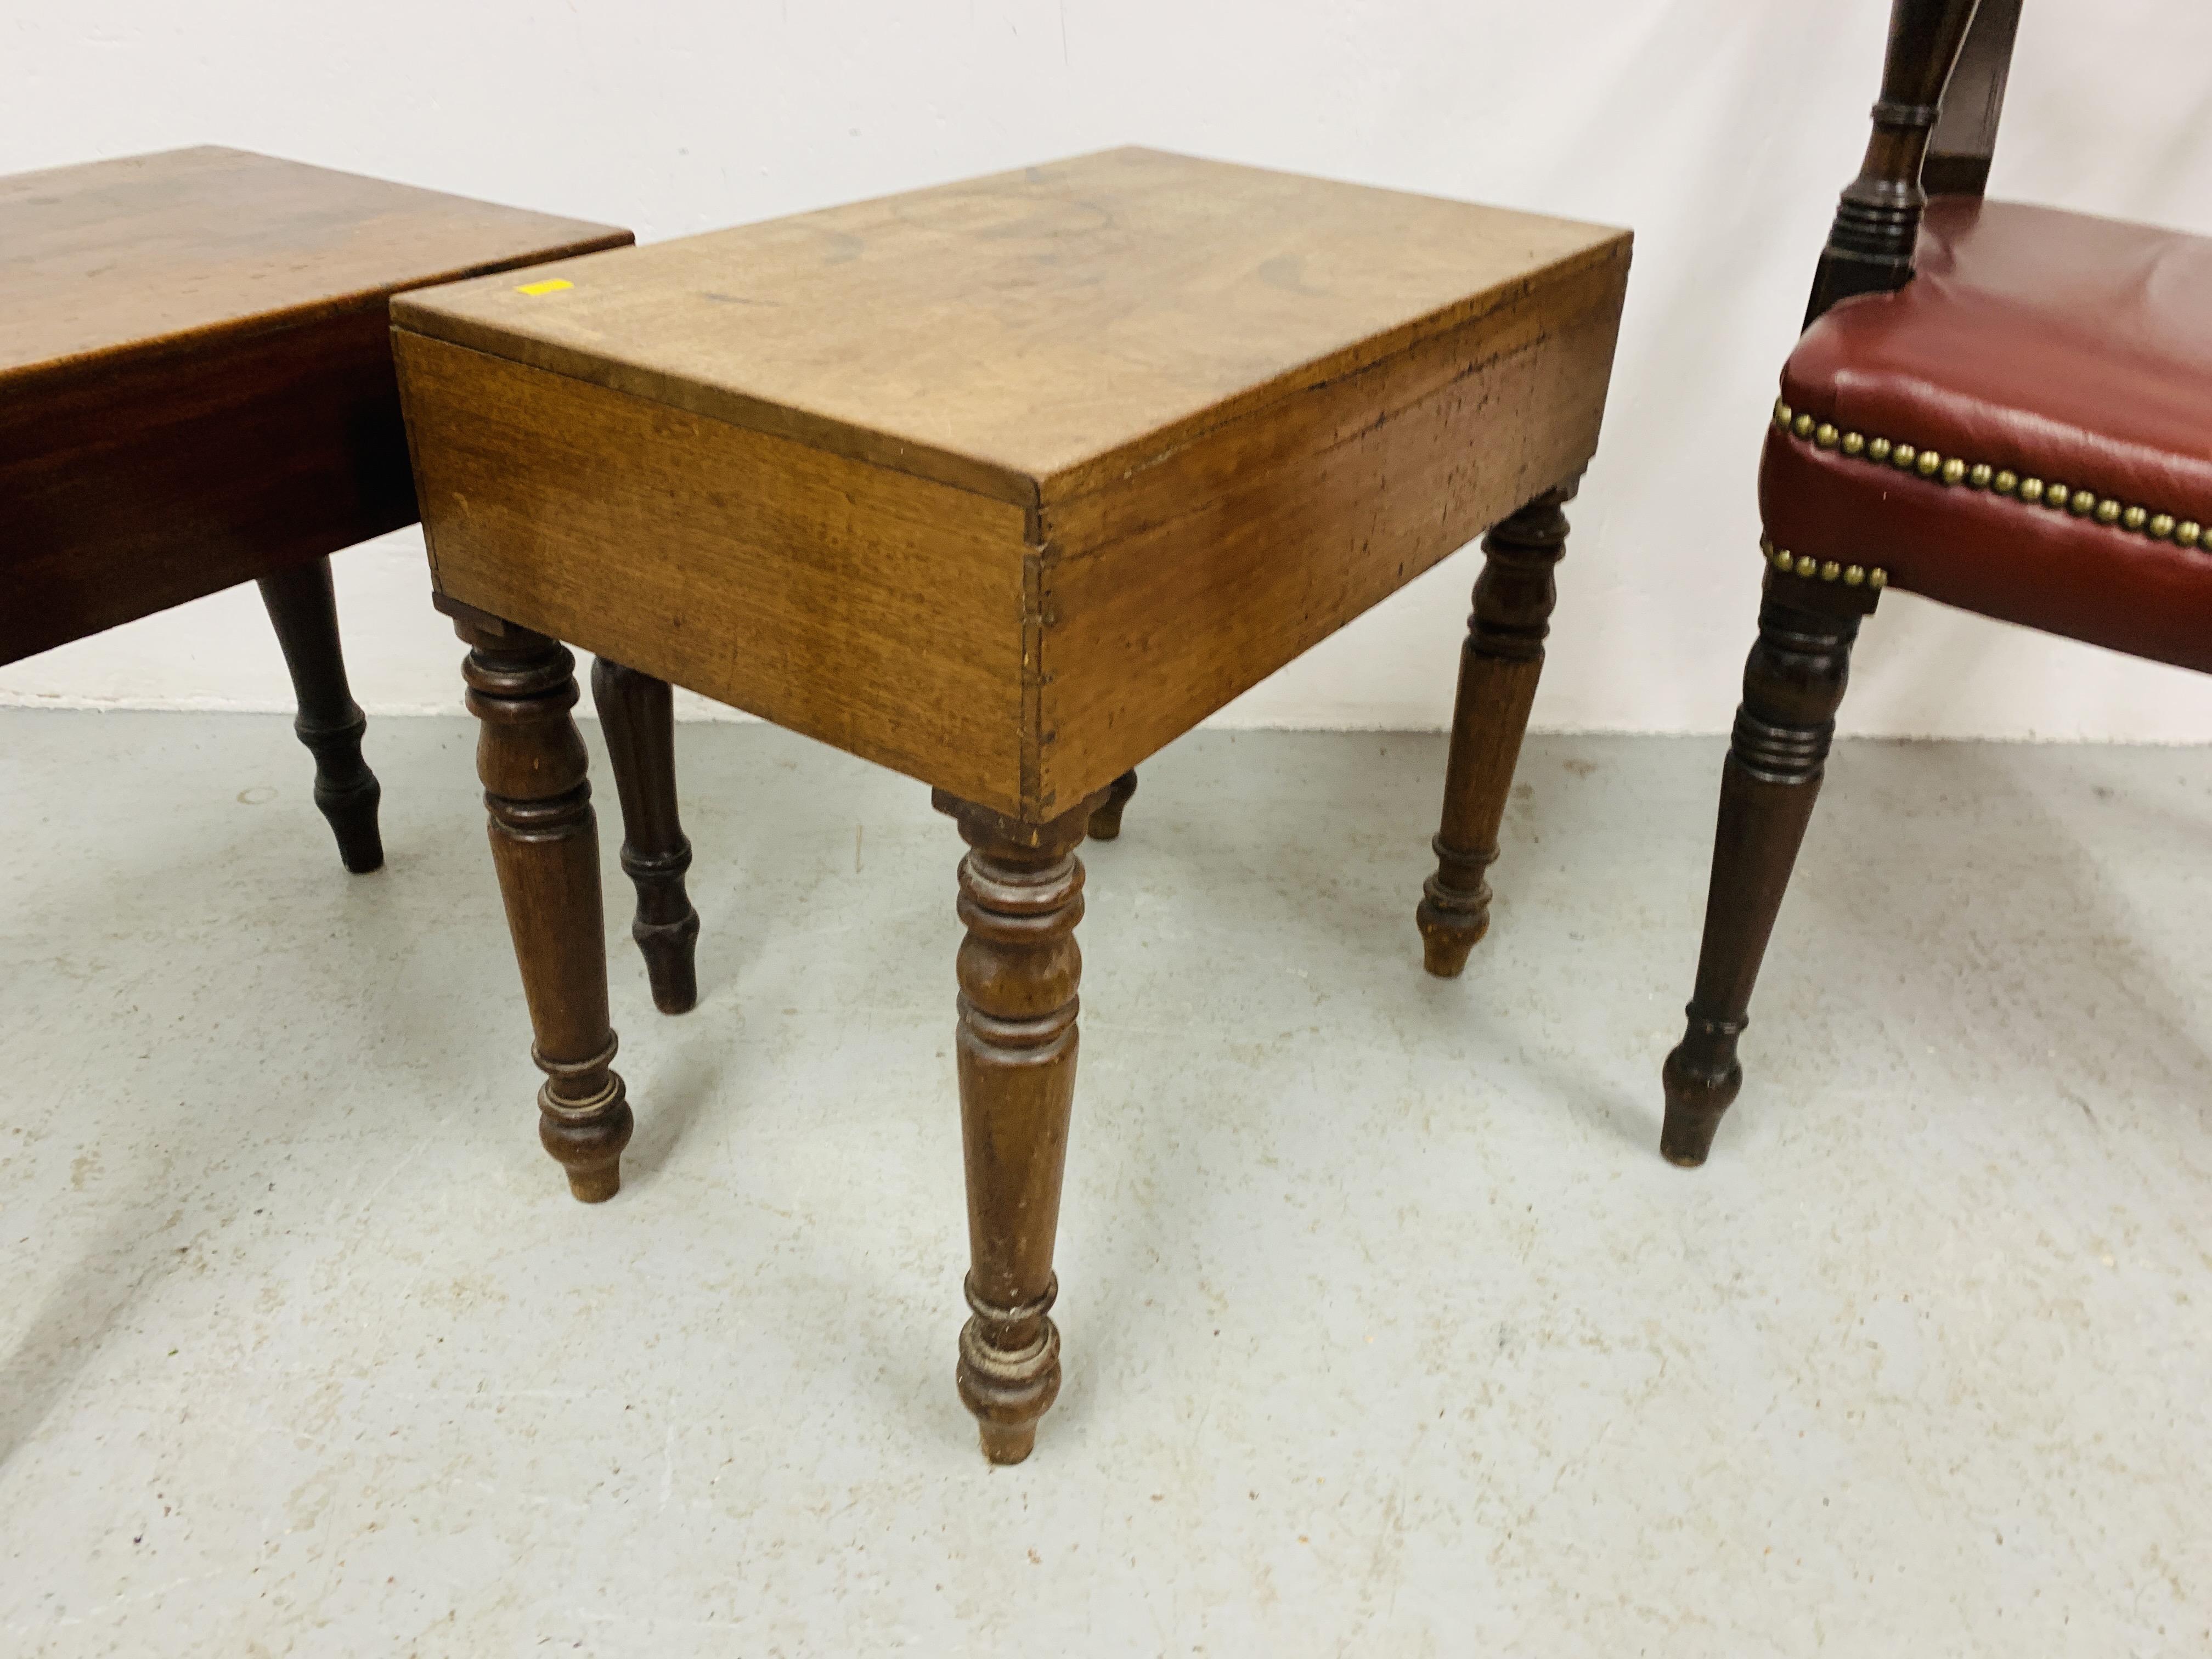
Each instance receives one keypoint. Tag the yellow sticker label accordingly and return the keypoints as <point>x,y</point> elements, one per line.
<point>551,285</point>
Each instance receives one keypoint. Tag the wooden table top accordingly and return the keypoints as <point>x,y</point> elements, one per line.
<point>110,259</point>
<point>1028,335</point>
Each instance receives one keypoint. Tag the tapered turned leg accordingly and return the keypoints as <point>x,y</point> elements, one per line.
<point>546,847</point>
<point>1792,686</point>
<point>305,616</point>
<point>1498,670</point>
<point>1021,895</point>
<point>637,716</point>
<point>1106,822</point>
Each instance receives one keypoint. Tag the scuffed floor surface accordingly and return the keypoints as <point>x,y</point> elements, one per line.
<point>1387,1331</point>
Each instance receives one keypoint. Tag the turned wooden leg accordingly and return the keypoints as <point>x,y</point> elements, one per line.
<point>1021,895</point>
<point>1106,822</point>
<point>1498,670</point>
<point>637,716</point>
<point>546,847</point>
<point>1792,686</point>
<point>305,616</point>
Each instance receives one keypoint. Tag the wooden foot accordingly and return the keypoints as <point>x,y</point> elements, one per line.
<point>1021,895</point>
<point>637,717</point>
<point>1792,686</point>
<point>545,845</point>
<point>305,614</point>
<point>1498,667</point>
<point>1106,822</point>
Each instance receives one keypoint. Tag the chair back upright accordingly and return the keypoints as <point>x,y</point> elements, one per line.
<point>1934,128</point>
<point>1965,133</point>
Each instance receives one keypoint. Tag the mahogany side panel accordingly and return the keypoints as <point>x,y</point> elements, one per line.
<point>166,478</point>
<point>1166,597</point>
<point>877,611</point>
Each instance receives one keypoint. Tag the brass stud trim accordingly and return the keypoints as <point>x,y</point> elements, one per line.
<point>1976,474</point>
<point>1793,564</point>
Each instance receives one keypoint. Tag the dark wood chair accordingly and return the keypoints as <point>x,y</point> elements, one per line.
<point>2004,407</point>
<point>197,389</point>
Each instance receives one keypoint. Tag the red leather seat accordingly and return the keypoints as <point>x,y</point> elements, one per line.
<point>2033,349</point>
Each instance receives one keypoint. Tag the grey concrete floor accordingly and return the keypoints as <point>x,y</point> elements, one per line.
<point>1386,1329</point>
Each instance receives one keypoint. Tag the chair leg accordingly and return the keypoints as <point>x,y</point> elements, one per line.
<point>545,844</point>
<point>1793,684</point>
<point>1021,895</point>
<point>637,717</point>
<point>304,612</point>
<point>1498,667</point>
<point>1106,822</point>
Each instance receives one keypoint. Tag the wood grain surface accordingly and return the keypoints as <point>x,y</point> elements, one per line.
<point>1031,334</point>
<point>195,383</point>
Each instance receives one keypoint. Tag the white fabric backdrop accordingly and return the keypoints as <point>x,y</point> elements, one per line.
<point>1718,129</point>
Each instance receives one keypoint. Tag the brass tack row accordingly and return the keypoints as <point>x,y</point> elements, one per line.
<point>1804,564</point>
<point>1979,474</point>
